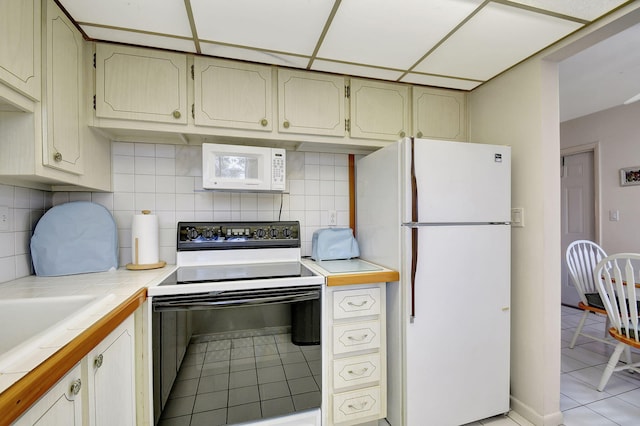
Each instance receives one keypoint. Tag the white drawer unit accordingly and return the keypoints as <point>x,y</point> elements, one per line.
<point>348,406</point>
<point>356,336</point>
<point>356,303</point>
<point>356,354</point>
<point>356,370</point>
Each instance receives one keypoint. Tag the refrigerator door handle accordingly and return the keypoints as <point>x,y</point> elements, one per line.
<point>414,231</point>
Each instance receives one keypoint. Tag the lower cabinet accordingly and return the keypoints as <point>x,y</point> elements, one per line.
<point>356,352</point>
<point>61,406</point>
<point>98,391</point>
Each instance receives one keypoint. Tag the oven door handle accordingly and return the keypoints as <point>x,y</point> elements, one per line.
<point>204,303</point>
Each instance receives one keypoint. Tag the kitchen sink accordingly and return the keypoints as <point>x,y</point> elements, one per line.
<point>28,323</point>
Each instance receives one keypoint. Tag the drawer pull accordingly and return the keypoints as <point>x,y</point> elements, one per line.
<point>75,387</point>
<point>359,406</point>
<point>358,305</point>
<point>358,339</point>
<point>359,372</point>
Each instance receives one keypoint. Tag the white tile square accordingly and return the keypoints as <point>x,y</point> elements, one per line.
<point>6,195</point>
<point>185,202</point>
<point>341,160</point>
<point>311,202</point>
<point>22,242</point>
<point>145,201</point>
<point>21,198</point>
<point>327,173</point>
<point>36,199</point>
<point>123,183</point>
<point>341,173</point>
<point>123,164</point>
<point>165,166</point>
<point>311,187</point>
<point>166,202</point>
<point>165,184</point>
<point>327,187</point>
<point>79,196</point>
<point>7,244</point>
<point>104,199</point>
<point>203,201</point>
<point>144,150</point>
<point>24,267</point>
<point>221,201</point>
<point>145,183</point>
<point>124,201</point>
<point>311,172</point>
<point>184,185</point>
<point>311,158</point>
<point>59,198</point>
<point>21,219</point>
<point>341,188</point>
<point>312,218</point>
<point>165,151</point>
<point>327,159</point>
<point>122,148</point>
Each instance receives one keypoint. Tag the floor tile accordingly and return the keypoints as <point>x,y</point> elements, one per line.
<point>302,385</point>
<point>618,411</point>
<point>268,361</point>
<point>242,352</point>
<point>242,364</point>
<point>214,368</point>
<point>245,395</point>
<point>210,401</point>
<point>176,421</point>
<point>210,418</point>
<point>271,374</point>
<point>264,350</point>
<point>244,378</point>
<point>177,407</point>
<point>273,390</point>
<point>243,413</point>
<point>582,416</point>
<point>182,388</point>
<point>263,340</point>
<point>242,342</point>
<point>304,401</point>
<point>277,406</point>
<point>214,383</point>
<point>215,356</point>
<point>297,370</point>
<point>216,345</point>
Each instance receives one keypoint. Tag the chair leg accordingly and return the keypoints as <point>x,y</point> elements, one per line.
<point>607,324</point>
<point>578,329</point>
<point>611,365</point>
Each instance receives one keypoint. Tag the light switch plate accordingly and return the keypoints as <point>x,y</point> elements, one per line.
<point>4,218</point>
<point>517,217</point>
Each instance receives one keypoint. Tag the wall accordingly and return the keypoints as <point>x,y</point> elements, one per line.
<point>167,179</point>
<point>520,109</point>
<point>616,131</point>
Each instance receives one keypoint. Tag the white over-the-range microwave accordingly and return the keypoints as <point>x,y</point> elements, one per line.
<point>243,168</point>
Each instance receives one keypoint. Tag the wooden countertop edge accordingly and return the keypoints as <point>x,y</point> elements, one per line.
<point>22,394</point>
<point>362,278</point>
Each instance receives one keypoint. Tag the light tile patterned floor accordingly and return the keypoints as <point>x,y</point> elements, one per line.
<point>582,367</point>
<point>232,380</point>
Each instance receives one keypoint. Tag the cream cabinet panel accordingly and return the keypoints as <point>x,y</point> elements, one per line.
<point>354,371</point>
<point>351,406</point>
<point>60,406</point>
<point>311,103</point>
<point>232,94</point>
<point>111,378</point>
<point>141,84</point>
<point>356,303</point>
<point>439,114</point>
<point>63,99</point>
<point>20,46</point>
<point>378,110</point>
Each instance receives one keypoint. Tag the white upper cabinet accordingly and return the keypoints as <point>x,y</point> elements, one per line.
<point>20,46</point>
<point>63,68</point>
<point>439,114</point>
<point>141,84</point>
<point>232,94</point>
<point>311,103</point>
<point>378,110</point>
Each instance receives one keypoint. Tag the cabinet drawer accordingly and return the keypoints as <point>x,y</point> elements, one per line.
<point>356,303</point>
<point>357,370</point>
<point>356,405</point>
<point>356,336</point>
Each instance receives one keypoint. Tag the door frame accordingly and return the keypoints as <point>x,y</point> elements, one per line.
<point>595,148</point>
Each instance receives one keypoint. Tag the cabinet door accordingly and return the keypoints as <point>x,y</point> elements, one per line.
<point>379,110</point>
<point>20,46</point>
<point>111,378</point>
<point>60,406</point>
<point>63,69</point>
<point>141,84</point>
<point>439,114</point>
<point>310,103</point>
<point>232,94</point>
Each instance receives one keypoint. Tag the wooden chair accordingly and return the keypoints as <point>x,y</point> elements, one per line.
<point>616,278</point>
<point>582,257</point>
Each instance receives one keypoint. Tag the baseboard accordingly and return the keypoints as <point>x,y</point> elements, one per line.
<point>529,414</point>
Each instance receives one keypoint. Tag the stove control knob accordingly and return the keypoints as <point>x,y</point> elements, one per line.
<point>286,233</point>
<point>208,233</point>
<point>273,233</point>
<point>192,233</point>
<point>260,233</point>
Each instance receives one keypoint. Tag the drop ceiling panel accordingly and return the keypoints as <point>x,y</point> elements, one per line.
<point>581,9</point>
<point>253,55</point>
<point>139,39</point>
<point>358,70</point>
<point>393,34</point>
<point>158,16</point>
<point>496,38</point>
<point>434,80</point>
<point>292,26</point>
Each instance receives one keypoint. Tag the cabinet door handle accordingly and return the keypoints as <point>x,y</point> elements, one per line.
<point>57,157</point>
<point>402,134</point>
<point>286,124</point>
<point>264,122</point>
<point>98,361</point>
<point>75,387</point>
<point>358,305</point>
<point>177,114</point>
<point>419,134</point>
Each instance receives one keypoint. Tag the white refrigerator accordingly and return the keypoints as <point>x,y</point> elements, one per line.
<point>439,212</point>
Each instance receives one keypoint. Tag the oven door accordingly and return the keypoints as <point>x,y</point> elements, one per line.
<point>254,355</point>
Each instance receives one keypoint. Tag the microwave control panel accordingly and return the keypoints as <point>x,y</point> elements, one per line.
<point>278,169</point>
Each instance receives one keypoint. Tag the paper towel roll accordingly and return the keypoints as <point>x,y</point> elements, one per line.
<point>144,239</point>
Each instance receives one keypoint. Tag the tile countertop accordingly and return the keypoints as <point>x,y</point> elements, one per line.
<point>352,271</point>
<point>118,287</point>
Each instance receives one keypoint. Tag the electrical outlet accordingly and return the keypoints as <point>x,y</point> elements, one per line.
<point>4,218</point>
<point>333,218</point>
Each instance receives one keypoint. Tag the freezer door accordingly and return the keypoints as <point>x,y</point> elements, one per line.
<point>457,346</point>
<point>459,181</point>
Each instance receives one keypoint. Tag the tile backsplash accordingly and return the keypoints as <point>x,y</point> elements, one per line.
<point>167,179</point>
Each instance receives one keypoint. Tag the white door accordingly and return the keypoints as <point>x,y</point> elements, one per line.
<point>578,212</point>
<point>461,182</point>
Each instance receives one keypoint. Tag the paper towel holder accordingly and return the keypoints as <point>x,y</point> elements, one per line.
<point>140,267</point>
